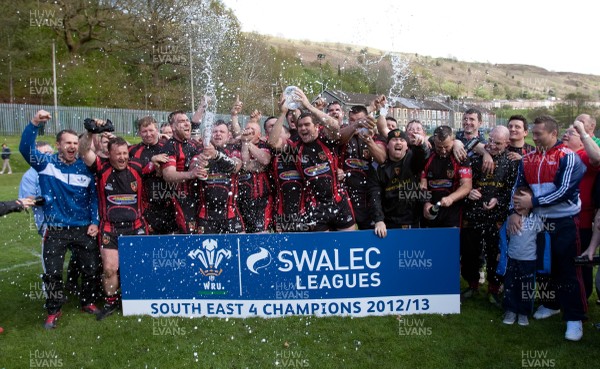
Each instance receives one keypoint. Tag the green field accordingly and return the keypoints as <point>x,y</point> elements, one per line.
<point>474,339</point>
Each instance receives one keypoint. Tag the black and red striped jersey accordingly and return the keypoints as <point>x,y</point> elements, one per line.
<point>289,190</point>
<point>180,155</point>
<point>119,192</point>
<point>254,185</point>
<point>157,192</point>
<point>317,164</point>
<point>219,192</point>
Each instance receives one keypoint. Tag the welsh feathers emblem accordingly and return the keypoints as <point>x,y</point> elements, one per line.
<point>210,257</point>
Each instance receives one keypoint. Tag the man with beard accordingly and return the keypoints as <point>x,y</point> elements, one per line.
<point>290,201</point>
<point>268,126</point>
<point>359,149</point>
<point>70,215</point>
<point>393,187</point>
<point>291,118</point>
<point>484,212</point>
<point>317,164</point>
<point>157,202</point>
<point>255,199</point>
<point>120,193</point>
<point>334,110</point>
<point>219,212</point>
<point>447,180</point>
<point>180,152</point>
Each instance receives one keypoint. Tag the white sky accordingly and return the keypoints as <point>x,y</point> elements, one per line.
<point>560,36</point>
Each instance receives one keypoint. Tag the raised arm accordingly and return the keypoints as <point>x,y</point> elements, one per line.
<point>275,140</point>
<point>347,132</point>
<point>236,109</point>
<point>377,148</point>
<point>380,103</point>
<point>254,159</point>
<point>591,148</point>
<point>330,125</point>
<point>85,149</point>
<point>27,145</point>
<point>199,114</point>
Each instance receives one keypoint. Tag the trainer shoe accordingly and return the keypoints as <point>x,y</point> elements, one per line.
<point>107,310</point>
<point>91,309</point>
<point>574,330</point>
<point>51,320</point>
<point>509,317</point>
<point>523,320</point>
<point>543,312</point>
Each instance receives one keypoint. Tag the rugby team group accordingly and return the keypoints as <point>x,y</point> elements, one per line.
<point>524,212</point>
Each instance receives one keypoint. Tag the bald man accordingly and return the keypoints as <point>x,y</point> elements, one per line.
<point>589,124</point>
<point>486,208</point>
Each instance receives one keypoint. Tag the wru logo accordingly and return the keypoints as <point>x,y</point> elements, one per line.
<point>210,258</point>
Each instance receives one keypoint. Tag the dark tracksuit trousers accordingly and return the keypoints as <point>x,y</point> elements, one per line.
<point>565,278</point>
<point>87,257</point>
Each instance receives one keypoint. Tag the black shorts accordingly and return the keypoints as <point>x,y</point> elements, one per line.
<point>109,240</point>
<point>220,226</point>
<point>257,213</point>
<point>360,208</point>
<point>161,220</point>
<point>186,214</point>
<point>285,223</point>
<point>332,216</point>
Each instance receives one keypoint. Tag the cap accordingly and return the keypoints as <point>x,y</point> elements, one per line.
<point>397,133</point>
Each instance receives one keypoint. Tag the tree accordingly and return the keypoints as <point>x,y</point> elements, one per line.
<point>575,104</point>
<point>84,24</point>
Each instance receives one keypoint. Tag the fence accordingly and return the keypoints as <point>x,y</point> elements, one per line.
<point>14,118</point>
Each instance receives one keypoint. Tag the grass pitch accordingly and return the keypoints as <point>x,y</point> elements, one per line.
<point>474,339</point>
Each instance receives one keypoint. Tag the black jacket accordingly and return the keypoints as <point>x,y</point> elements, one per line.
<point>393,188</point>
<point>9,207</point>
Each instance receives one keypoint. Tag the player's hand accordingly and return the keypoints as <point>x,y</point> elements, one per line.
<point>92,230</point>
<point>380,229</point>
<point>40,117</point>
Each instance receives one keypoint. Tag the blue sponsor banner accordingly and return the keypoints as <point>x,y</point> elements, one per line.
<point>271,275</point>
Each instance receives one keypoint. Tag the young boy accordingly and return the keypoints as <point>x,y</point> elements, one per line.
<point>519,280</point>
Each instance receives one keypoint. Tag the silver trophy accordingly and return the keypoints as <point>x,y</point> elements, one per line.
<point>289,94</point>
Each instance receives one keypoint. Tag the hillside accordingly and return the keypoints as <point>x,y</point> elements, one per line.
<point>469,80</point>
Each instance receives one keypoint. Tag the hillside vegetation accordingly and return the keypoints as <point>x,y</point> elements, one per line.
<point>431,76</point>
<point>149,55</point>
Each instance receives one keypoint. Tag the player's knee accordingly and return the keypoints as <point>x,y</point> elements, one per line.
<point>110,271</point>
